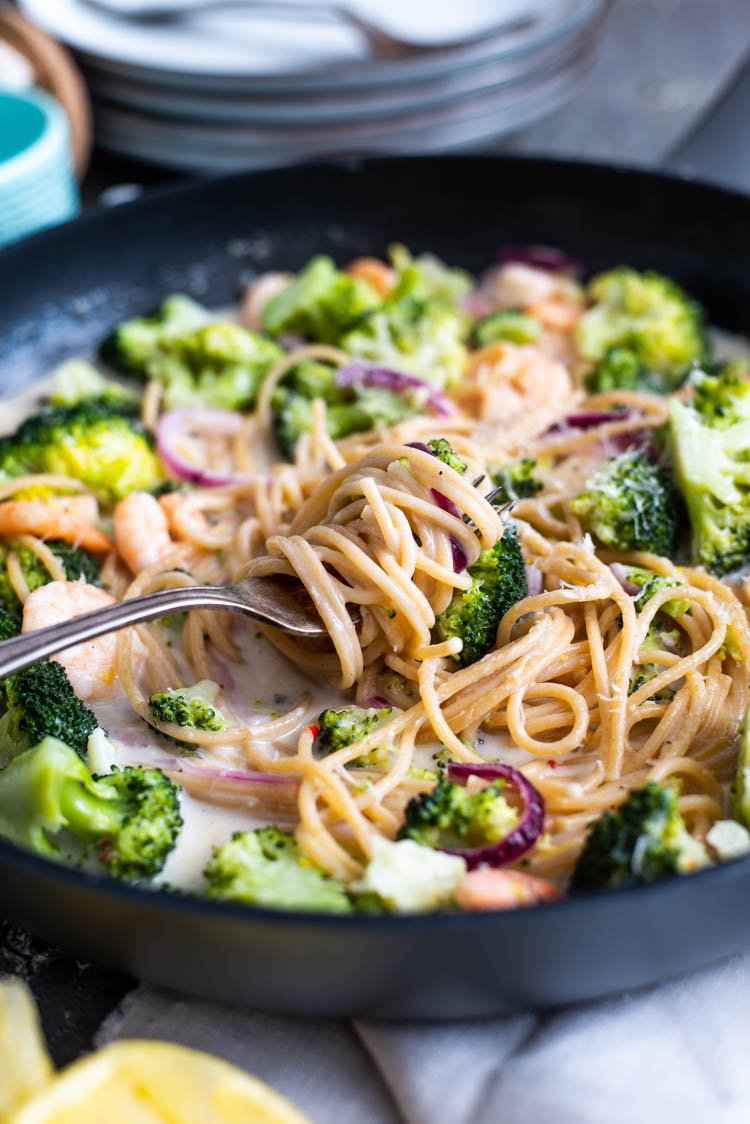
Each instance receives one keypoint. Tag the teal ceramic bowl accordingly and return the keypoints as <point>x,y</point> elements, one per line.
<point>37,184</point>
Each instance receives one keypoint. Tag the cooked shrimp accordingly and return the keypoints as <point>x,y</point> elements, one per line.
<point>170,504</point>
<point>557,313</point>
<point>504,380</point>
<point>258,294</point>
<point>518,285</point>
<point>375,272</point>
<point>66,517</point>
<point>555,299</point>
<point>141,531</point>
<point>488,889</point>
<point>90,667</point>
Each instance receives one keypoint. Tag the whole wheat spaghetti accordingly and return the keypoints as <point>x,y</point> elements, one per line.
<point>588,687</point>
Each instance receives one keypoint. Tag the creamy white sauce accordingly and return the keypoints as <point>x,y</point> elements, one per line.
<point>205,826</point>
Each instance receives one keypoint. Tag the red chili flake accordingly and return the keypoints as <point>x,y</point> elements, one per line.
<point>552,763</point>
<point>314,730</point>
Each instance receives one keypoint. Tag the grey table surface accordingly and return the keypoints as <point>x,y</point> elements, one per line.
<point>660,64</point>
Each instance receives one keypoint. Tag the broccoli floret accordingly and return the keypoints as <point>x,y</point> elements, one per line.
<point>650,584</point>
<point>445,452</point>
<point>103,446</point>
<point>41,702</point>
<point>202,362</point>
<point>498,581</point>
<point>442,282</point>
<point>515,481</point>
<point>512,324</point>
<point>339,728</point>
<point>413,331</point>
<point>643,840</point>
<point>8,626</point>
<point>133,342</point>
<point>722,399</point>
<point>349,409</point>
<point>741,783</point>
<point>708,440</point>
<point>76,562</point>
<point>648,317</point>
<point>368,902</point>
<point>396,688</point>
<point>291,416</point>
<point>77,381</point>
<point>629,505</point>
<point>620,369</point>
<point>321,303</point>
<point>658,638</point>
<point>267,868</point>
<point>644,674</point>
<point>131,817</point>
<point>418,327</point>
<point>451,817</point>
<point>408,878</point>
<point>190,706</point>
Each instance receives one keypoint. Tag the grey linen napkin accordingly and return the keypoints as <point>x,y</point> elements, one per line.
<point>678,1051</point>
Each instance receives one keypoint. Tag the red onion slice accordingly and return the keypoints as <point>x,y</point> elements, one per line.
<point>540,257</point>
<point>526,832</point>
<point>460,557</point>
<point>187,765</point>
<point>477,304</point>
<point>445,504</point>
<point>586,420</point>
<point>621,574</point>
<point>212,423</point>
<point>612,444</point>
<point>534,580</point>
<point>222,673</point>
<point>384,378</point>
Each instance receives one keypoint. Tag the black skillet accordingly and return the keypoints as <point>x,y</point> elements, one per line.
<point>60,293</point>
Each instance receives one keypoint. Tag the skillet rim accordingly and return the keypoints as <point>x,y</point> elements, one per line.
<point>191,902</point>
<point>356,165</point>
<point>729,870</point>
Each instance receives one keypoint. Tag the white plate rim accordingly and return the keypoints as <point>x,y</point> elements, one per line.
<point>576,13</point>
<point>331,109</point>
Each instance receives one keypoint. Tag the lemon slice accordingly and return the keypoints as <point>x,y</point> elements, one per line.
<point>25,1065</point>
<point>156,1083</point>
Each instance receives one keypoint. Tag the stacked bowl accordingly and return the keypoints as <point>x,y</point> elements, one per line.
<point>37,184</point>
<point>230,89</point>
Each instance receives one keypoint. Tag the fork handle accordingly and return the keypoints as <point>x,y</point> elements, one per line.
<point>21,651</point>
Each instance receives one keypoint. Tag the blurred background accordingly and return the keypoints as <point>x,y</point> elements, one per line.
<point>102,98</point>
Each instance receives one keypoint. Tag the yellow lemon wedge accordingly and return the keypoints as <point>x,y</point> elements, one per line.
<point>141,1082</point>
<point>25,1065</point>
<point>134,1082</point>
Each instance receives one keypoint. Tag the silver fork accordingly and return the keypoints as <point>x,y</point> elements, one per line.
<point>275,600</point>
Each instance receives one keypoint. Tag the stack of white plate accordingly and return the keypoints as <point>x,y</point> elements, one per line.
<point>226,90</point>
